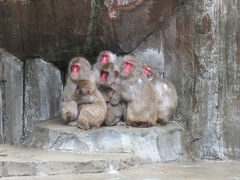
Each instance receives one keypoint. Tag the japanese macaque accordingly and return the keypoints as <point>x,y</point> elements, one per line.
<point>110,82</point>
<point>166,94</point>
<point>79,69</point>
<point>103,58</point>
<point>139,94</point>
<point>91,104</point>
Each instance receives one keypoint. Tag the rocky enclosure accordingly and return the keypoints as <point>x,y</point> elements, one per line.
<point>195,43</point>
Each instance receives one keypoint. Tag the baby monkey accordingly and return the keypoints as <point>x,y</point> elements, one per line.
<point>91,105</point>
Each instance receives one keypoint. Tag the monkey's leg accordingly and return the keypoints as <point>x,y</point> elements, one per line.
<point>69,111</point>
<point>82,121</point>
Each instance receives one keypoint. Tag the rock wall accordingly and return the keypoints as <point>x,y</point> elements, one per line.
<point>26,99</point>
<point>194,44</point>
<point>197,48</point>
<point>43,88</point>
<point>11,105</point>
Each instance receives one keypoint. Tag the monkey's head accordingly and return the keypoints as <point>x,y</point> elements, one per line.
<point>86,87</point>
<point>150,71</point>
<point>108,74</point>
<point>130,67</point>
<point>105,57</point>
<point>79,69</point>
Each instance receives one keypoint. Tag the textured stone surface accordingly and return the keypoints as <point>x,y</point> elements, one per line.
<point>168,171</point>
<point>128,23</point>
<point>55,30</point>
<point>43,88</point>
<point>150,145</point>
<point>11,98</point>
<point>21,161</point>
<point>59,30</point>
<point>197,48</point>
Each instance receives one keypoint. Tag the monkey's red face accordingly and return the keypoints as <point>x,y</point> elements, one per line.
<point>127,67</point>
<point>104,76</point>
<point>75,70</point>
<point>147,71</point>
<point>104,59</point>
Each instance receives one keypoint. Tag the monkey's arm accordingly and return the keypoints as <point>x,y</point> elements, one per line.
<point>86,99</point>
<point>69,90</point>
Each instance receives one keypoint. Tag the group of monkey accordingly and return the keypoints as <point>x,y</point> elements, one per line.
<point>116,91</point>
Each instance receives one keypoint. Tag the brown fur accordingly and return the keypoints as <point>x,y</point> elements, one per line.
<point>139,94</point>
<point>166,94</point>
<point>93,112</point>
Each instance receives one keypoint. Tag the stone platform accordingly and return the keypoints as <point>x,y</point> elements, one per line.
<point>149,145</point>
<point>23,161</point>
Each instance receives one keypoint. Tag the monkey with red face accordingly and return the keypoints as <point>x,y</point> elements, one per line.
<point>138,93</point>
<point>166,94</point>
<point>79,69</point>
<point>110,82</point>
<point>103,58</point>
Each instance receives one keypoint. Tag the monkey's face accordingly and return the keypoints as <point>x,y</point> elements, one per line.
<point>75,68</point>
<point>147,72</point>
<point>127,68</point>
<point>104,59</point>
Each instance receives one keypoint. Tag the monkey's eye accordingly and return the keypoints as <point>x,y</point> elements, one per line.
<point>129,63</point>
<point>75,67</point>
<point>105,56</point>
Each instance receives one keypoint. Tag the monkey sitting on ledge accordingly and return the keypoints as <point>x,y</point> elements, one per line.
<point>139,94</point>
<point>166,94</point>
<point>91,105</point>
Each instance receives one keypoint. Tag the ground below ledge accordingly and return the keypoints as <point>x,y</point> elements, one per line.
<point>167,171</point>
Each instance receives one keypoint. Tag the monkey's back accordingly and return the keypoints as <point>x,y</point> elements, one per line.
<point>167,99</point>
<point>93,114</point>
<point>143,107</point>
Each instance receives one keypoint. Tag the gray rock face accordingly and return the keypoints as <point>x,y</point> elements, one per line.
<point>197,47</point>
<point>43,88</point>
<point>149,145</point>
<point>11,98</point>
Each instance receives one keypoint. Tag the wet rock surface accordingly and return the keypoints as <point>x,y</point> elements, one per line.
<point>149,145</point>
<point>11,100</point>
<point>43,89</point>
<point>21,161</point>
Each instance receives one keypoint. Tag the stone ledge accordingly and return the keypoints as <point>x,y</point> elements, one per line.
<point>149,145</point>
<point>22,161</point>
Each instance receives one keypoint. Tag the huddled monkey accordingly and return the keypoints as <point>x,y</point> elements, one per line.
<point>139,94</point>
<point>103,58</point>
<point>104,75</point>
<point>110,82</point>
<point>69,107</point>
<point>91,104</point>
<point>76,108</point>
<point>166,94</point>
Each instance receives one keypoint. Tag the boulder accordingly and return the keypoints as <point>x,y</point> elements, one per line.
<point>43,89</point>
<point>11,98</point>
